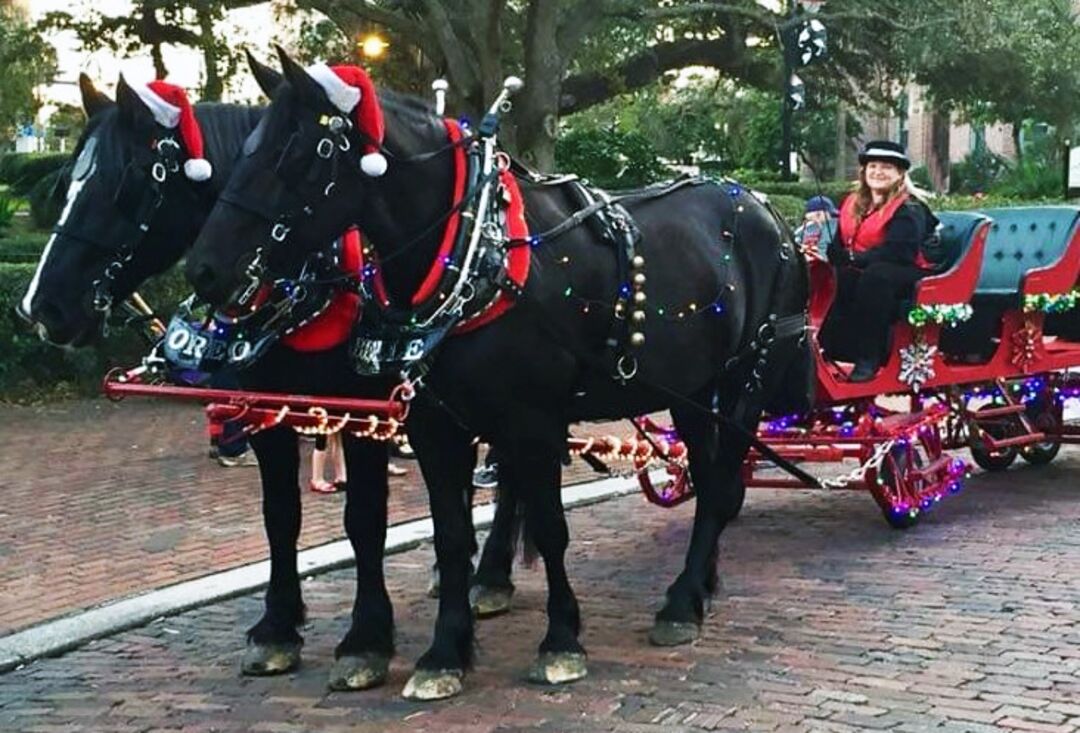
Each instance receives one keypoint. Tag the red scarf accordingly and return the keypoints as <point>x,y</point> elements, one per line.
<point>870,232</point>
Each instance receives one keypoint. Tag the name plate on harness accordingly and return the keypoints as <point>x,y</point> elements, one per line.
<point>189,346</point>
<point>392,349</point>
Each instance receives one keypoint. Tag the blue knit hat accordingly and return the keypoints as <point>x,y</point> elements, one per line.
<point>821,203</point>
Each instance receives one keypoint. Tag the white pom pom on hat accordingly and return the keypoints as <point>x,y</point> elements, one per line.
<point>351,90</point>
<point>171,109</point>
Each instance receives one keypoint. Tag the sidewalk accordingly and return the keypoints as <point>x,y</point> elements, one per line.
<point>101,501</point>
<point>826,620</point>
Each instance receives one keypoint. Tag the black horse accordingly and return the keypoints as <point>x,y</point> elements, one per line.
<point>724,288</point>
<point>70,295</point>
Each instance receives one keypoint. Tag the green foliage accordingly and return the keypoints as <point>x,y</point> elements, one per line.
<point>8,205</point>
<point>26,60</point>
<point>21,171</point>
<point>1001,60</point>
<point>610,158</point>
<point>31,369</point>
<point>976,173</point>
<point>921,176</point>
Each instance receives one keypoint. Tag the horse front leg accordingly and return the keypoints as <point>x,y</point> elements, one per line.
<point>274,642</point>
<point>716,457</point>
<point>363,656</point>
<point>446,456</point>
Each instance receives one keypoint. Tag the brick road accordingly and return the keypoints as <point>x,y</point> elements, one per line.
<point>827,620</point>
<point>101,501</point>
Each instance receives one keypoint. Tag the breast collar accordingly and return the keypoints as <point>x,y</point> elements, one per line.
<point>473,279</point>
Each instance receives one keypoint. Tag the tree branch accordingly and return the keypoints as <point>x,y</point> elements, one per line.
<point>583,91</point>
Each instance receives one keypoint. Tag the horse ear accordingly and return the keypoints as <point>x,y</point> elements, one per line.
<point>93,101</point>
<point>298,78</point>
<point>133,110</point>
<point>267,77</point>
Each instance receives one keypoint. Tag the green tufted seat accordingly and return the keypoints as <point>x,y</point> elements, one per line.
<point>1021,239</point>
<point>957,233</point>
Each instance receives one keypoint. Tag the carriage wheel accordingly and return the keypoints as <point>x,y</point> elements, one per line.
<point>992,460</point>
<point>894,487</point>
<point>1043,416</point>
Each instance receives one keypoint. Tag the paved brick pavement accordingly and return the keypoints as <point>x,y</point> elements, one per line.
<point>827,620</point>
<point>101,501</point>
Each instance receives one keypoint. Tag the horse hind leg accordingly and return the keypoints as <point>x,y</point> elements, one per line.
<point>273,643</point>
<point>362,658</point>
<point>492,589</point>
<point>715,463</point>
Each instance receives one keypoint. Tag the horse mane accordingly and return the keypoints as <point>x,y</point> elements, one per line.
<point>224,129</point>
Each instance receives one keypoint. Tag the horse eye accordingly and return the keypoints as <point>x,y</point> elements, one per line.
<point>84,164</point>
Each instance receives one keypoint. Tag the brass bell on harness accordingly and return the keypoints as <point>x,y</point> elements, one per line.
<point>638,316</point>
<point>640,298</point>
<point>637,339</point>
<point>639,279</point>
<point>638,262</point>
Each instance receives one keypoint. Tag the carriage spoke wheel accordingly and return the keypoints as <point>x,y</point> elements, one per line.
<point>1044,416</point>
<point>896,488</point>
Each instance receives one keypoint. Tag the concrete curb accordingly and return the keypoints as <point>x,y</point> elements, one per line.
<point>61,635</point>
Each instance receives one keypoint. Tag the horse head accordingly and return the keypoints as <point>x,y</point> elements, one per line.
<point>305,176</point>
<point>130,211</point>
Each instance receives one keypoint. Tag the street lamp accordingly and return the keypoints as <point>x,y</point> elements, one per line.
<point>373,46</point>
<point>802,42</point>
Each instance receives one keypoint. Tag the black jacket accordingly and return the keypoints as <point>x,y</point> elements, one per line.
<point>905,233</point>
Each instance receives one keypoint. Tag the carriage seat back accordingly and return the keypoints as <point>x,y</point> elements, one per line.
<point>1021,239</point>
<point>957,232</point>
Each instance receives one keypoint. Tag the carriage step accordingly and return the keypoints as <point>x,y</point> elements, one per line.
<point>986,412</point>
<point>1027,439</point>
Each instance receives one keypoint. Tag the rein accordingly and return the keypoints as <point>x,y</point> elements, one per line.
<point>166,164</point>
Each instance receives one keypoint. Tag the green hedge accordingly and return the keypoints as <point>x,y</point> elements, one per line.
<point>23,247</point>
<point>31,370</point>
<point>22,170</point>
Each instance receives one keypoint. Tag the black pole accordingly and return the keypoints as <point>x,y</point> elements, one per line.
<point>785,92</point>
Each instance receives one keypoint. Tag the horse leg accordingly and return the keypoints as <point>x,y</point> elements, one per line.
<point>492,588</point>
<point>714,467</point>
<point>363,656</point>
<point>534,474</point>
<point>447,457</point>
<point>274,642</point>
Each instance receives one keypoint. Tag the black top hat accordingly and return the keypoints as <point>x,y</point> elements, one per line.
<point>885,151</point>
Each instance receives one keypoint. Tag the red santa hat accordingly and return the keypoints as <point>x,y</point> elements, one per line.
<point>171,109</point>
<point>351,90</point>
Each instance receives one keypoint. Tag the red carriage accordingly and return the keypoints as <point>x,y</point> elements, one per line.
<point>980,360</point>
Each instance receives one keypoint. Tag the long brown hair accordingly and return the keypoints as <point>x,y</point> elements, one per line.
<point>864,201</point>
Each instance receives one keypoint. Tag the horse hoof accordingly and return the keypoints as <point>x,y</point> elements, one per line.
<point>673,633</point>
<point>261,660</point>
<point>359,671</point>
<point>558,668</point>
<point>426,685</point>
<point>488,602</point>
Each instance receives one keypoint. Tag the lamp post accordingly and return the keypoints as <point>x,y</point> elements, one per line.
<point>802,42</point>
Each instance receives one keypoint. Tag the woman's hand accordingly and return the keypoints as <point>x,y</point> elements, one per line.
<point>811,252</point>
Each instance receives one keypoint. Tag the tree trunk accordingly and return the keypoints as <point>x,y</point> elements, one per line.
<point>1017,130</point>
<point>537,115</point>
<point>159,61</point>
<point>213,87</point>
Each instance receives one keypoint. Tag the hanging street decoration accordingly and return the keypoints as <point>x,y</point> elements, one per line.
<point>812,42</point>
<point>796,92</point>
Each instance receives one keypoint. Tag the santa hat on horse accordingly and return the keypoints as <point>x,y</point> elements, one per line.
<point>351,90</point>
<point>171,109</point>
